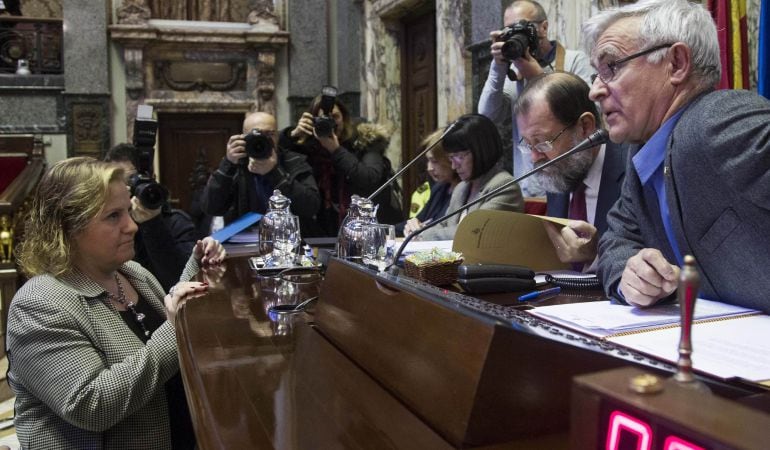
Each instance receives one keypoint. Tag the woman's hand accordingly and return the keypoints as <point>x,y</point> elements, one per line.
<point>209,251</point>
<point>180,293</point>
<point>412,225</point>
<point>304,126</point>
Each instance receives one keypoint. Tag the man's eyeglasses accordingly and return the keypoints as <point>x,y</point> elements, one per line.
<point>541,147</point>
<point>608,71</point>
<point>458,157</point>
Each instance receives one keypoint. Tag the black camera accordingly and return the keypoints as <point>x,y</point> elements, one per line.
<point>518,37</point>
<point>324,124</point>
<point>258,144</point>
<point>150,194</point>
<point>143,185</point>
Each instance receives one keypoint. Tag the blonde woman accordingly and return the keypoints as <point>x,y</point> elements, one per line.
<point>91,341</point>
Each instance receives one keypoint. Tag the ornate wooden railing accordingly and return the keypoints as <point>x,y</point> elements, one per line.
<point>13,198</point>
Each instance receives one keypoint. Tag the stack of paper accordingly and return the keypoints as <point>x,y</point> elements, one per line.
<point>728,341</point>
<point>605,318</point>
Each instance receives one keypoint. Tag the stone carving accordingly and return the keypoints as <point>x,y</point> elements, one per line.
<point>179,68</point>
<point>134,76</point>
<point>163,69</point>
<point>262,12</point>
<point>265,82</point>
<point>133,12</point>
<point>205,10</point>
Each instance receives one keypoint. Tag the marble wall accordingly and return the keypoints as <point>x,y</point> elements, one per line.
<point>381,91</point>
<point>381,73</point>
<point>452,60</point>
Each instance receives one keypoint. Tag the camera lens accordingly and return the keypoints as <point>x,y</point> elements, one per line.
<point>516,46</point>
<point>258,145</point>
<point>324,126</point>
<point>150,194</point>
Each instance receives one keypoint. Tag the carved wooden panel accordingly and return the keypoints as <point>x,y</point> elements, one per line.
<point>182,139</point>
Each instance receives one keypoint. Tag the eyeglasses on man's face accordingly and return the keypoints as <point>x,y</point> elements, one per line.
<point>608,71</point>
<point>541,147</point>
<point>458,157</point>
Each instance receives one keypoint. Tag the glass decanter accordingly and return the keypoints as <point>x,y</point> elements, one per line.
<point>350,240</point>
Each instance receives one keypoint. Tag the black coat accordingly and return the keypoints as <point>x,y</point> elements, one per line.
<point>163,245</point>
<point>231,190</point>
<point>358,167</point>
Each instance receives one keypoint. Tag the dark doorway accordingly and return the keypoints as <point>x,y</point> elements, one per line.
<point>418,94</point>
<point>191,146</point>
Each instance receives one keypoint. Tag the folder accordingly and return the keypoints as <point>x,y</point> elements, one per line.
<point>237,226</point>
<point>505,237</point>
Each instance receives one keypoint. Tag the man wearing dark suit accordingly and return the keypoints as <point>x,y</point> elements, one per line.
<point>554,113</point>
<point>700,184</point>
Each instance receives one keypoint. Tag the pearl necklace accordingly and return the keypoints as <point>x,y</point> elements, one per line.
<point>131,306</point>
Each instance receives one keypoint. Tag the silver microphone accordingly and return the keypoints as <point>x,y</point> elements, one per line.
<point>449,128</point>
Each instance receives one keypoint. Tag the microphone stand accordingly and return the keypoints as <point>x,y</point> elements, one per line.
<point>596,138</point>
<point>414,160</point>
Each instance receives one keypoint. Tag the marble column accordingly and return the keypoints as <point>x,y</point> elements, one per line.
<point>308,56</point>
<point>86,77</point>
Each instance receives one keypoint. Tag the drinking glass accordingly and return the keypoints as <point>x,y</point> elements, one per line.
<point>379,245</point>
<point>286,239</point>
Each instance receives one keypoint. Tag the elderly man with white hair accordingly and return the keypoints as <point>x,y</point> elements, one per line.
<point>700,183</point>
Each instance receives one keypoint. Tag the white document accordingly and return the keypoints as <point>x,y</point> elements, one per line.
<point>604,318</point>
<point>738,347</point>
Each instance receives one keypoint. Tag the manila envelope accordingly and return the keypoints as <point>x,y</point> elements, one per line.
<point>505,237</point>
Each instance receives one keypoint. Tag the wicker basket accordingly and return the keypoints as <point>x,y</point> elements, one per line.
<point>435,273</point>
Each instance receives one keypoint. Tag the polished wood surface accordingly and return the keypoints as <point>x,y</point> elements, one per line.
<point>257,384</point>
<point>379,361</point>
<point>474,379</point>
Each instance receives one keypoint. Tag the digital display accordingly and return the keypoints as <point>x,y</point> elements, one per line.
<point>623,428</point>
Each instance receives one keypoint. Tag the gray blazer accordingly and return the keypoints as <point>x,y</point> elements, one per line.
<point>717,176</point>
<point>508,200</point>
<point>82,378</point>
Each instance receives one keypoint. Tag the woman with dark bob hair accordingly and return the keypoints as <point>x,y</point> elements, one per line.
<point>349,161</point>
<point>475,149</point>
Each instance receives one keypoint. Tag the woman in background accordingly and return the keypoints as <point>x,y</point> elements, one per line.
<point>475,149</point>
<point>348,161</point>
<point>445,179</point>
<point>91,341</point>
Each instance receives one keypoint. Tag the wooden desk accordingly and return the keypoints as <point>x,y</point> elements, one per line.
<point>257,384</point>
<point>253,383</point>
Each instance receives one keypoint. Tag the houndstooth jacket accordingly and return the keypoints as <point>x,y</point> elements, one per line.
<point>82,378</point>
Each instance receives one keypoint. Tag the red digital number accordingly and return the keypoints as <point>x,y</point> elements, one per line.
<point>675,443</point>
<point>621,422</point>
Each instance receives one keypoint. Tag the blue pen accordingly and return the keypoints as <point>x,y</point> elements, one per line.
<point>540,294</point>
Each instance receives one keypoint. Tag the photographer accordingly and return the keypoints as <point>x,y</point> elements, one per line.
<point>166,236</point>
<point>514,64</point>
<point>252,168</point>
<point>346,160</point>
